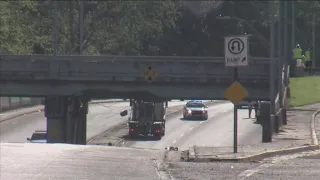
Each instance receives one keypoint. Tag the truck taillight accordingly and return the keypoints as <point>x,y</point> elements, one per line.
<point>131,130</point>
<point>157,131</point>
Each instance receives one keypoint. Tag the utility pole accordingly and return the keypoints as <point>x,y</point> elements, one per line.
<point>272,61</point>
<point>293,18</point>
<point>314,40</point>
<point>55,29</point>
<point>81,30</point>
<point>285,41</point>
<point>280,52</point>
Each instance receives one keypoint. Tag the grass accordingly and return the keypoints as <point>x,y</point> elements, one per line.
<point>304,90</point>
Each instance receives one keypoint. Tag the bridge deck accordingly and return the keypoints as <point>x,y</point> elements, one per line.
<point>111,73</point>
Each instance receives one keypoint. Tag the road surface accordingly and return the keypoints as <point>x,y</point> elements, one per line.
<point>49,161</point>
<point>69,162</point>
<point>298,166</point>
<point>100,118</point>
<point>216,131</point>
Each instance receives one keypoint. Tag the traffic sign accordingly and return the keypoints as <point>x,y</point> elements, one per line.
<point>236,93</point>
<point>150,74</point>
<point>236,51</point>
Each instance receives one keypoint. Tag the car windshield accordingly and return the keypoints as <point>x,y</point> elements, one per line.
<point>195,105</point>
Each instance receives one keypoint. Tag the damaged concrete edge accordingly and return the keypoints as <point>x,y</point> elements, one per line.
<point>41,108</point>
<point>314,137</point>
<point>255,157</point>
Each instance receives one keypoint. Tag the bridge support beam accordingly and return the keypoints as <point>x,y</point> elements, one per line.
<point>77,120</point>
<point>66,119</point>
<point>56,114</point>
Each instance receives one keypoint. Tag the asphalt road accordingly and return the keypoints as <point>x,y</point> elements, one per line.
<point>100,118</point>
<point>65,162</point>
<point>32,161</point>
<point>298,166</point>
<point>216,131</point>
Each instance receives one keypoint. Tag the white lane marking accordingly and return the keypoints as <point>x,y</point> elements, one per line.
<point>181,135</point>
<point>174,141</point>
<point>190,128</point>
<point>99,115</point>
<point>252,171</point>
<point>201,122</point>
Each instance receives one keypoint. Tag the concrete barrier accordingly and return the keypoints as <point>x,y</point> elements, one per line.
<point>38,108</point>
<point>11,103</point>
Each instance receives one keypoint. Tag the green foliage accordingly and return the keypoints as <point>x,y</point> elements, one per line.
<point>111,27</point>
<point>141,27</point>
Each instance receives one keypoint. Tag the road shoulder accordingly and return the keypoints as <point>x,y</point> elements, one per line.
<point>298,136</point>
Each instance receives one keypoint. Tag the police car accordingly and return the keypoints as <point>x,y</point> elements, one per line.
<point>196,110</point>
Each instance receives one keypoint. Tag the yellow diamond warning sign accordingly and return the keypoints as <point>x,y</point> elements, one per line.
<point>150,74</point>
<point>236,93</point>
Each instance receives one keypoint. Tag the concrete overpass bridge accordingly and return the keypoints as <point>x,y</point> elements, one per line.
<point>68,82</point>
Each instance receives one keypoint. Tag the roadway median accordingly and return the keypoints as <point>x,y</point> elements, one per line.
<point>7,115</point>
<point>116,135</point>
<point>298,136</point>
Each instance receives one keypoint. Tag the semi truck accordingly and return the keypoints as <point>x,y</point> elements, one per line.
<point>147,118</point>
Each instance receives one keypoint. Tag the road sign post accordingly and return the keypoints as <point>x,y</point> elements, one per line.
<point>236,54</point>
<point>235,114</point>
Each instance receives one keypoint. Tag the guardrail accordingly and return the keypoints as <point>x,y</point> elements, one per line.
<point>315,71</point>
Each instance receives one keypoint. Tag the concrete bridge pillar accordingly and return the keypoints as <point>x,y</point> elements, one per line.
<point>66,119</point>
<point>56,114</point>
<point>77,120</point>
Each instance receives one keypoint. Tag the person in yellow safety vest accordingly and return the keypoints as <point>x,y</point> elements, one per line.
<point>308,62</point>
<point>297,52</point>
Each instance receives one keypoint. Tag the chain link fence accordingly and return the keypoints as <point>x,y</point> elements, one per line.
<point>10,103</point>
